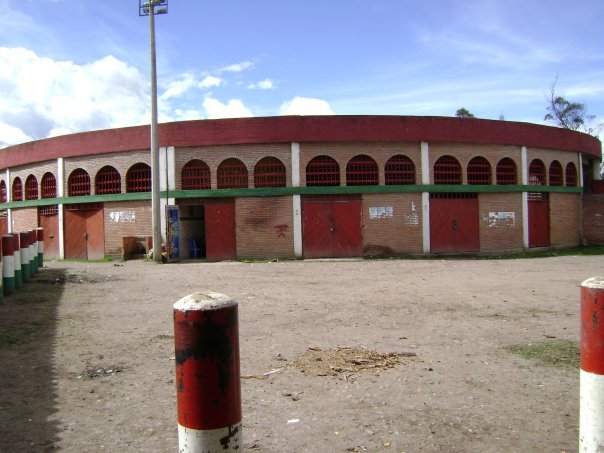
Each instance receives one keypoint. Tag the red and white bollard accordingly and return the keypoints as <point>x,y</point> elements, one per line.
<point>591,420</point>
<point>208,381</point>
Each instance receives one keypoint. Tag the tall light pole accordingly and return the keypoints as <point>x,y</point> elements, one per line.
<point>148,9</point>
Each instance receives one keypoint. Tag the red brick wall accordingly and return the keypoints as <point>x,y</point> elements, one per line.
<point>565,219</point>
<point>397,235</point>
<point>593,218</point>
<point>264,227</point>
<point>496,233</point>
<point>24,219</point>
<point>115,231</point>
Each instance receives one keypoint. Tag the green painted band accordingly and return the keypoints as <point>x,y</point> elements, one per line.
<point>18,278</point>
<point>25,272</point>
<point>40,259</point>
<point>8,285</point>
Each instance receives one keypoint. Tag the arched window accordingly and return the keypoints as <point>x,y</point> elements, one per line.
<point>399,170</point>
<point>479,171</point>
<point>269,172</point>
<point>232,174</point>
<point>17,190</point>
<point>536,173</point>
<point>48,186</point>
<point>322,171</point>
<point>31,188</point>
<point>447,170</point>
<point>361,171</point>
<point>138,178</point>
<point>2,192</point>
<point>78,183</point>
<point>107,180</point>
<point>196,175</point>
<point>506,172</point>
<point>571,175</point>
<point>555,173</point>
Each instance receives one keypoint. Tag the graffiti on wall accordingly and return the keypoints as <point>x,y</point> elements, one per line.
<point>381,212</point>
<point>413,218</point>
<point>281,230</point>
<point>500,220</point>
<point>123,216</point>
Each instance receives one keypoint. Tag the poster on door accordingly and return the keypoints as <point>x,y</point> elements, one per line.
<point>172,233</point>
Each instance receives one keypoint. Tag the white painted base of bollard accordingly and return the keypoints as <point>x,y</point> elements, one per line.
<point>211,440</point>
<point>591,420</point>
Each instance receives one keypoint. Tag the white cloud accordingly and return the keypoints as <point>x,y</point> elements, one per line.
<point>179,87</point>
<point>305,106</point>
<point>40,96</point>
<point>210,82</point>
<point>266,84</point>
<point>237,67</point>
<point>234,108</point>
<point>9,135</point>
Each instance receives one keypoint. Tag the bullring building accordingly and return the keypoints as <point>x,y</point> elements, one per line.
<point>310,187</point>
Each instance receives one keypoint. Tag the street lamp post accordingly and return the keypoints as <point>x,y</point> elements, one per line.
<point>148,9</point>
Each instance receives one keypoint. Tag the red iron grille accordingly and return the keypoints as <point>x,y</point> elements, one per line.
<point>399,170</point>
<point>138,178</point>
<point>48,211</point>
<point>361,171</point>
<point>322,171</point>
<point>196,175</point>
<point>48,186</point>
<point>269,172</point>
<point>78,183</point>
<point>232,174</point>
<point>555,173</point>
<point>571,175</point>
<point>447,170</point>
<point>2,192</point>
<point>107,180</point>
<point>506,172</point>
<point>17,190</point>
<point>31,188</point>
<point>454,196</point>
<point>479,171</point>
<point>536,173</point>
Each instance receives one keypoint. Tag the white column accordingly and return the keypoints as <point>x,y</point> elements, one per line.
<point>9,198</point>
<point>524,180</point>
<point>61,194</point>
<point>425,161</point>
<point>580,170</point>
<point>167,182</point>
<point>296,199</point>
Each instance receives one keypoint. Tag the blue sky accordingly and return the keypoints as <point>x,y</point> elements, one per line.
<point>75,65</point>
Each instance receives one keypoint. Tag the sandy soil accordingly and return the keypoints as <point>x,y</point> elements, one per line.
<point>87,358</point>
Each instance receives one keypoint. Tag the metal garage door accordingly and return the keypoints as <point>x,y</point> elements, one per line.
<point>220,229</point>
<point>331,226</point>
<point>538,219</point>
<point>84,231</point>
<point>48,218</point>
<point>454,223</point>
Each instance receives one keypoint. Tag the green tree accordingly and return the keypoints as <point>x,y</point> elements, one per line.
<point>568,115</point>
<point>464,113</point>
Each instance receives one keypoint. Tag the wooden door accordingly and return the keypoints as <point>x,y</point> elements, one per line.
<point>220,229</point>
<point>84,232</point>
<point>48,218</point>
<point>454,223</point>
<point>538,219</point>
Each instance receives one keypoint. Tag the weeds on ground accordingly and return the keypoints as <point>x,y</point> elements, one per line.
<point>562,353</point>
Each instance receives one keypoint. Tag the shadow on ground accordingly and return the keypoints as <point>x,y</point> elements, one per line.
<point>28,328</point>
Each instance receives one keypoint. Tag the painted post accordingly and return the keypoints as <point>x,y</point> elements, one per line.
<point>24,244</point>
<point>40,236</point>
<point>33,252</point>
<point>17,260</point>
<point>8,265</point>
<point>208,382</point>
<point>591,419</point>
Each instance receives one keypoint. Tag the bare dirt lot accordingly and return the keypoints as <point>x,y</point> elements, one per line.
<point>87,354</point>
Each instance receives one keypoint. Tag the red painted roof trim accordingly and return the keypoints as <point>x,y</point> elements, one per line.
<point>284,129</point>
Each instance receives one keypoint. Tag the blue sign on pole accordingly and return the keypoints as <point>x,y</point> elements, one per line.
<point>172,233</point>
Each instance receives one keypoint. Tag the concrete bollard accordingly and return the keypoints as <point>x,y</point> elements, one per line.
<point>591,419</point>
<point>33,252</point>
<point>8,265</point>
<point>24,245</point>
<point>208,381</point>
<point>17,260</point>
<point>40,237</point>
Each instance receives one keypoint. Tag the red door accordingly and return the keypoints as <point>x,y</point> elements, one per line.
<point>84,232</point>
<point>538,219</point>
<point>220,229</point>
<point>48,218</point>
<point>454,225</point>
<point>331,226</point>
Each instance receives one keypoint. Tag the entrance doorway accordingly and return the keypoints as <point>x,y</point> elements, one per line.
<point>84,231</point>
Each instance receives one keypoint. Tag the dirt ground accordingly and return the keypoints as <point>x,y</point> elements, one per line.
<point>336,355</point>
